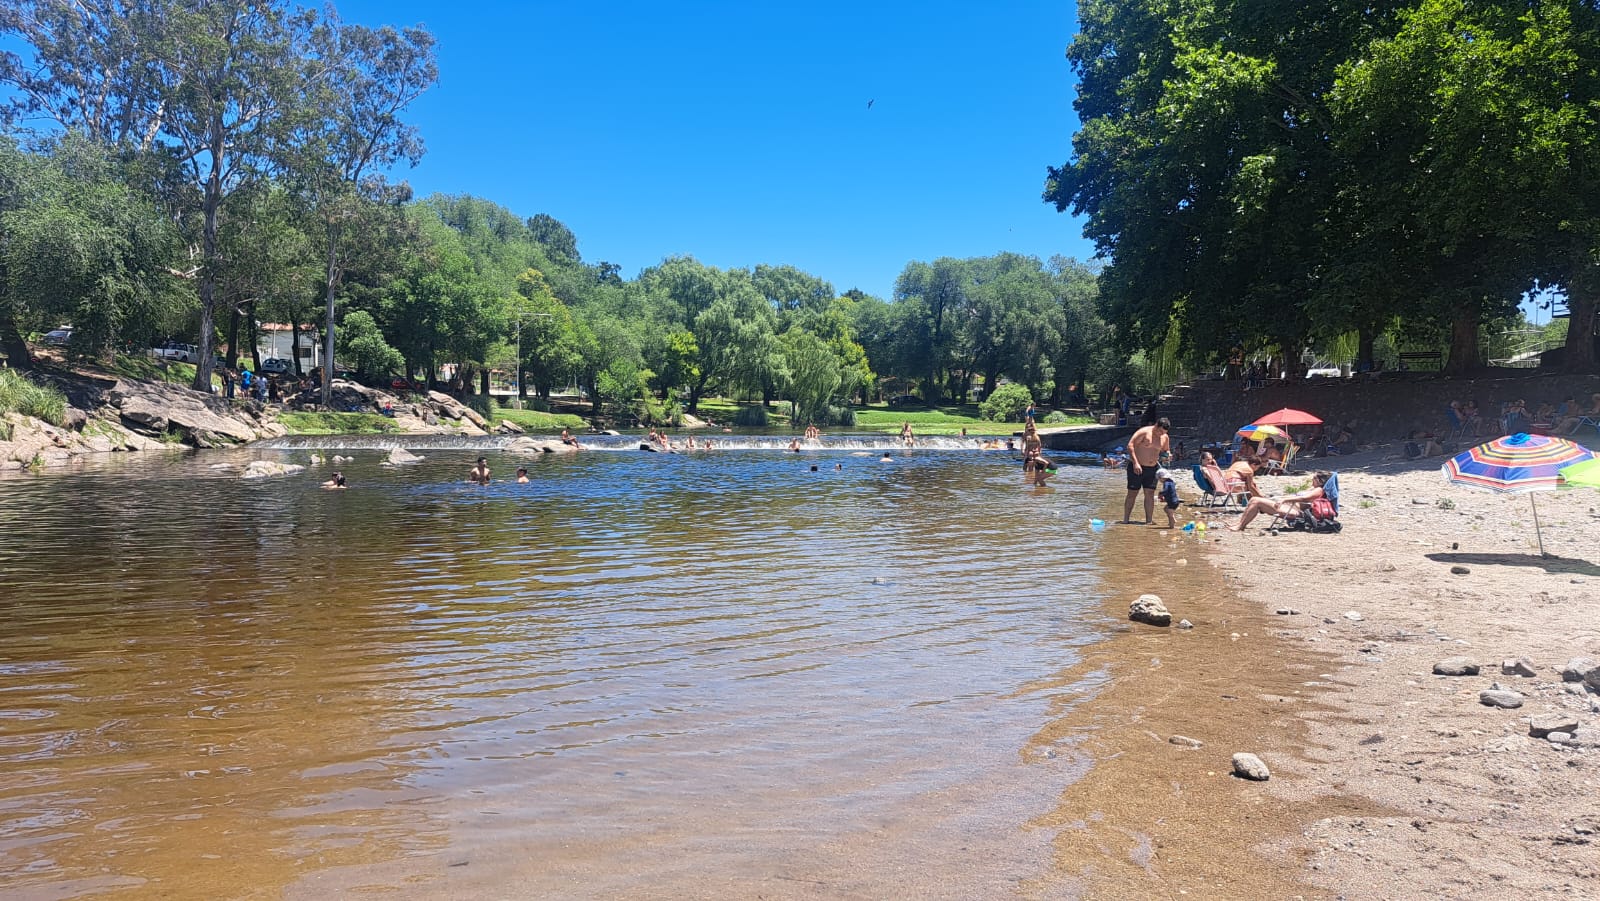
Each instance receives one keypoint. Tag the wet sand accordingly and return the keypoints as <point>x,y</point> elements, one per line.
<point>1388,781</point>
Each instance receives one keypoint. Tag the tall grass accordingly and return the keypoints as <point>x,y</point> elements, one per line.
<point>19,395</point>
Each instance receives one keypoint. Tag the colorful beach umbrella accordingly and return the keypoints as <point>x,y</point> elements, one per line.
<point>1516,464</point>
<point>1287,417</point>
<point>1585,474</point>
<point>1258,432</point>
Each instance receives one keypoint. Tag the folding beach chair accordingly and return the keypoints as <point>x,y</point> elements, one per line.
<point>1458,428</point>
<point>1209,495</point>
<point>1316,516</point>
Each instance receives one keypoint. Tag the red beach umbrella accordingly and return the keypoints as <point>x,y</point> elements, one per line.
<point>1286,417</point>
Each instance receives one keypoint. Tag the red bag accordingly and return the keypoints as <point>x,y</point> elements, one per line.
<point>1322,508</point>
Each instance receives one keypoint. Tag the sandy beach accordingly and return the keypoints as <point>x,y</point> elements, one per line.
<point>1317,653</point>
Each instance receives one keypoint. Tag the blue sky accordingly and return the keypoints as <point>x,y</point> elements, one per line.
<point>740,133</point>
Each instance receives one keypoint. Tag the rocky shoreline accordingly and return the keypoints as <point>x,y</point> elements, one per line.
<point>139,415</point>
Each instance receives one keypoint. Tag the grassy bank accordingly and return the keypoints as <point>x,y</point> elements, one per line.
<point>535,421</point>
<point>941,420</point>
<point>136,366</point>
<point>336,423</point>
<point>20,395</point>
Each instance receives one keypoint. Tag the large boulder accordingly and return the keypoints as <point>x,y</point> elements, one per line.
<point>264,469</point>
<point>161,407</point>
<point>399,456</point>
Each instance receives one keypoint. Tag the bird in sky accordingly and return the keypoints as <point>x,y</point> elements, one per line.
<point>871,102</point>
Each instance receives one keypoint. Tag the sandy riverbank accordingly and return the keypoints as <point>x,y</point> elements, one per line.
<point>1388,781</point>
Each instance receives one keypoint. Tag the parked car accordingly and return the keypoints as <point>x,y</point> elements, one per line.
<point>277,365</point>
<point>904,400</point>
<point>181,353</point>
<point>60,337</point>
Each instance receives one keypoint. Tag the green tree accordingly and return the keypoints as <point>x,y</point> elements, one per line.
<point>77,245</point>
<point>362,345</point>
<point>349,132</point>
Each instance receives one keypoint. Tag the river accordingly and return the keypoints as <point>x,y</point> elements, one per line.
<point>639,675</point>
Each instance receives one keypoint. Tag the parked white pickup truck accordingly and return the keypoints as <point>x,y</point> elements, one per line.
<point>182,353</point>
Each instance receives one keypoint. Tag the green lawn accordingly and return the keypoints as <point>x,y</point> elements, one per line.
<point>940,420</point>
<point>534,421</point>
<point>336,423</point>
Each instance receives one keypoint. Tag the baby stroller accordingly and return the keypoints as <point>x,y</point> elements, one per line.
<point>1321,515</point>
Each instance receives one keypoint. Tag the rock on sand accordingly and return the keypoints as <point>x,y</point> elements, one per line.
<point>1149,609</point>
<point>1455,666</point>
<point>1500,697</point>
<point>1249,766</point>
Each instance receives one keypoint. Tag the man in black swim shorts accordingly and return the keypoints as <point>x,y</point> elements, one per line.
<point>1144,458</point>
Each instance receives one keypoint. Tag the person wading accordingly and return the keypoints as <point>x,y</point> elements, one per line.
<point>1144,456</point>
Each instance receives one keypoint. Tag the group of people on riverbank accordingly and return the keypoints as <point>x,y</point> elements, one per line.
<point>1564,418</point>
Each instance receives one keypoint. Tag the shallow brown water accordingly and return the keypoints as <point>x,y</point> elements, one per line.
<point>641,675</point>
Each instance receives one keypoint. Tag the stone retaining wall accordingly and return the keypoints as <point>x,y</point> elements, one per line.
<point>1381,410</point>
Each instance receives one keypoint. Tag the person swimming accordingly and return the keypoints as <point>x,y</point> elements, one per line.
<point>522,475</point>
<point>335,483</point>
<point>480,472</point>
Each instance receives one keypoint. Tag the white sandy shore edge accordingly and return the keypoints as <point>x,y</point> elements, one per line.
<point>1475,805</point>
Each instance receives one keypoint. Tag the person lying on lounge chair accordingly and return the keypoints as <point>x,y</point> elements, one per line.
<point>1287,506</point>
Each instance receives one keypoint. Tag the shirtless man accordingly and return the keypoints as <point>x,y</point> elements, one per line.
<point>1144,456</point>
<point>480,473</point>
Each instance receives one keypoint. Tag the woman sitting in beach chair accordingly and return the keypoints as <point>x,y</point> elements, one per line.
<point>1215,483</point>
<point>1291,506</point>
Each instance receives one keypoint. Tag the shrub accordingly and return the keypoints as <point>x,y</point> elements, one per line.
<point>845,416</point>
<point>19,395</point>
<point>751,417</point>
<point>1057,417</point>
<point>1007,404</point>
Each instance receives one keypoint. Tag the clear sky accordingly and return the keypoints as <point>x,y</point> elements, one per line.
<point>740,132</point>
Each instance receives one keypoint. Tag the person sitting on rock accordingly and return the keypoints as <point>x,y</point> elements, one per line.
<point>1285,506</point>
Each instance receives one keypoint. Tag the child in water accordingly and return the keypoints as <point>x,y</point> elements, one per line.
<point>1169,494</point>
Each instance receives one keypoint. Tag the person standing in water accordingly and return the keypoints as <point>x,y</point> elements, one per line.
<point>480,473</point>
<point>1144,456</point>
<point>906,438</point>
<point>522,475</point>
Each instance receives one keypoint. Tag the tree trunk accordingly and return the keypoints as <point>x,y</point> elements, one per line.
<point>694,397</point>
<point>1463,340</point>
<point>255,336</point>
<point>1365,337</point>
<point>11,343</point>
<point>483,380</point>
<point>1580,355</point>
<point>331,286</point>
<point>209,260</point>
<point>233,338</point>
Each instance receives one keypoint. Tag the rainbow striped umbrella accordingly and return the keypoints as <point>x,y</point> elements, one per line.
<point>1256,432</point>
<point>1516,464</point>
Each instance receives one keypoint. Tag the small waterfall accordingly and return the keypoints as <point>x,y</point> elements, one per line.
<point>850,441</point>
